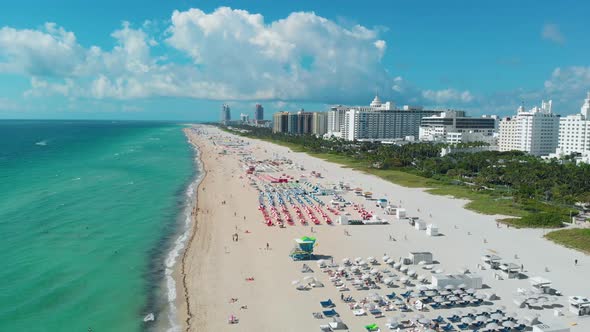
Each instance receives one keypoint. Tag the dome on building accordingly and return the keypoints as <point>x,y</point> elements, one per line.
<point>376,102</point>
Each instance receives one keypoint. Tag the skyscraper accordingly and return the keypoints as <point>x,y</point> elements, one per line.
<point>225,114</point>
<point>258,113</point>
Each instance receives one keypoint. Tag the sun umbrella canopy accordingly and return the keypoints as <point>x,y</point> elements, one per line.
<point>481,318</point>
<point>466,320</point>
<point>492,326</point>
<point>449,287</point>
<point>508,324</point>
<point>496,316</point>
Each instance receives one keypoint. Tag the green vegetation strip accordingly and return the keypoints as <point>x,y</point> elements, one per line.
<point>572,238</point>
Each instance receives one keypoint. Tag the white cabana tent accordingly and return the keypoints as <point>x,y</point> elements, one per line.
<point>541,284</point>
<point>579,305</point>
<point>441,281</point>
<point>550,327</point>
<point>420,256</point>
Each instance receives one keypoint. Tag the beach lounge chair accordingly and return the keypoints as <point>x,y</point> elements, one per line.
<point>330,313</point>
<point>327,304</point>
<point>338,324</point>
<point>438,319</point>
<point>463,326</point>
<point>448,327</point>
<point>391,296</point>
<point>376,312</point>
<point>325,328</point>
<point>372,328</point>
<point>359,312</point>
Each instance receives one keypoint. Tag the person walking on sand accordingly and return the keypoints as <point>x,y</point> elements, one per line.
<point>576,262</point>
<point>267,246</point>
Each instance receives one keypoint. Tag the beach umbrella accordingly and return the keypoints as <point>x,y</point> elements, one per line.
<point>496,316</point>
<point>453,298</point>
<point>345,260</point>
<point>411,272</point>
<point>449,287</point>
<point>468,298</point>
<point>439,299</point>
<point>370,258</point>
<point>457,292</point>
<point>385,258</point>
<point>404,268</point>
<point>358,259</point>
<point>427,267</point>
<point>445,293</point>
<point>362,263</point>
<point>390,261</point>
<point>397,265</point>
<point>422,288</point>
<point>492,326</point>
<point>481,318</point>
<point>480,296</point>
<point>430,292</point>
<point>462,286</point>
<point>388,280</point>
<point>466,320</point>
<point>508,324</point>
<point>439,271</point>
<point>403,280</point>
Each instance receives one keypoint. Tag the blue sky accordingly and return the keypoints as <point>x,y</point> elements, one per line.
<point>183,59</point>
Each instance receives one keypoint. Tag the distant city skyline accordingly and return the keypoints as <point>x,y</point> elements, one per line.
<point>181,61</point>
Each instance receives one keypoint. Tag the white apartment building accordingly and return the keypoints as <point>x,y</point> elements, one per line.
<point>383,125</point>
<point>535,131</point>
<point>574,131</point>
<point>337,115</point>
<point>454,127</point>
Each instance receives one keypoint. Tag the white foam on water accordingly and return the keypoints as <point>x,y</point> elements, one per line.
<point>179,244</point>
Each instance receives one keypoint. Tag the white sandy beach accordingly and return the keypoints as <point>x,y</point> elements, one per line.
<point>214,268</point>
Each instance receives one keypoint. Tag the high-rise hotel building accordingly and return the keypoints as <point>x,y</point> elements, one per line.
<point>574,131</point>
<point>535,131</point>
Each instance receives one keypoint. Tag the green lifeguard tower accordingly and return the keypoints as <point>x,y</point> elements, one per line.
<point>303,249</point>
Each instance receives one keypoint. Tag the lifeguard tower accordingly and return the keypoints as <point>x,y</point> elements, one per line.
<point>303,249</point>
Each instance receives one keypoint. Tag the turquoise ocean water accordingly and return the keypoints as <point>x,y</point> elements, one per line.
<point>89,212</point>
